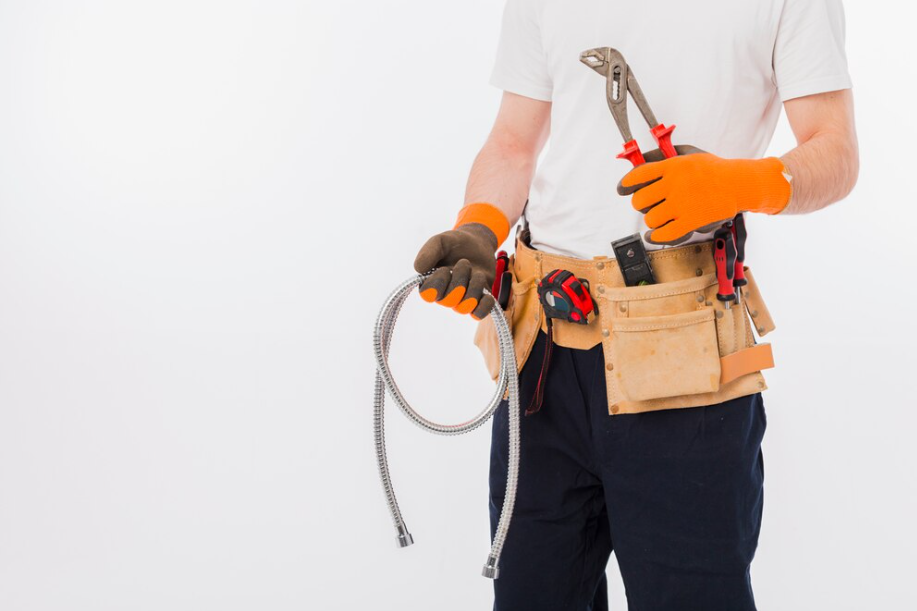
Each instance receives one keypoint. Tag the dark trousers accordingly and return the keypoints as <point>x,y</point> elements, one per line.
<point>676,494</point>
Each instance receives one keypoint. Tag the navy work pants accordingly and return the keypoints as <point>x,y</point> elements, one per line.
<point>676,494</point>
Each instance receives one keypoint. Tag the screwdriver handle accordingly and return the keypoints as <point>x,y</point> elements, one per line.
<point>724,254</point>
<point>632,153</point>
<point>739,234</point>
<point>663,136</point>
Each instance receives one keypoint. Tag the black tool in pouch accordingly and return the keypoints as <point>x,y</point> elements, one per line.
<point>633,261</point>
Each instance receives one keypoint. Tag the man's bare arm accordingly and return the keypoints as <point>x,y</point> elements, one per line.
<point>503,170</point>
<point>826,163</point>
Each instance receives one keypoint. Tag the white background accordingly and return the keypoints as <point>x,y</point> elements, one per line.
<point>202,206</point>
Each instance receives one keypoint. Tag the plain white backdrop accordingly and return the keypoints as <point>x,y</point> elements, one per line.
<point>202,206</point>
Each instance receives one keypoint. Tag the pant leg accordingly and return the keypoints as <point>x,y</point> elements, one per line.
<point>558,543</point>
<point>684,490</point>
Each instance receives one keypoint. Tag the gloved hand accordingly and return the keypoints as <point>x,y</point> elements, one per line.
<point>464,261</point>
<point>700,191</point>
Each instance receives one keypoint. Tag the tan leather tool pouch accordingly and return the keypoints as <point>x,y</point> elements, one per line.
<point>667,345</point>
<point>675,345</point>
<point>663,340</point>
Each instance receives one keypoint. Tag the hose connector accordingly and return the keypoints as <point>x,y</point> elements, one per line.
<point>404,537</point>
<point>491,568</point>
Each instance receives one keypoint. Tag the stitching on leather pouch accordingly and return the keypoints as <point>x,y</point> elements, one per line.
<point>633,329</point>
<point>735,329</point>
<point>661,295</point>
<point>611,380</point>
<point>673,293</point>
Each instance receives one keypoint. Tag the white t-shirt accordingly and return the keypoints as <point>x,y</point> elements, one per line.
<point>717,69</point>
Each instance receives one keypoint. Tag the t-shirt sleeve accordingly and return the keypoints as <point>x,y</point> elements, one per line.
<point>521,65</point>
<point>809,54</point>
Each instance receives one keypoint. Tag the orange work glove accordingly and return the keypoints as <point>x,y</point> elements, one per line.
<point>701,191</point>
<point>464,262</point>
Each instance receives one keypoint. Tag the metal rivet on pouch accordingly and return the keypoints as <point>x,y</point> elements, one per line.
<point>538,256</point>
<point>754,314</point>
<point>699,272</point>
<point>605,333</point>
<point>623,308</point>
<point>600,266</point>
<point>615,409</point>
<point>761,330</point>
<point>709,303</point>
<point>700,298</point>
<point>609,367</point>
<point>601,289</point>
<point>761,385</point>
<point>719,313</point>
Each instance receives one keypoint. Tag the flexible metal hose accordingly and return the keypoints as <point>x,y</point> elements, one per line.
<point>507,382</point>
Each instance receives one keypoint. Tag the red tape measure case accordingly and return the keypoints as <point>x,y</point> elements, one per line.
<point>563,296</point>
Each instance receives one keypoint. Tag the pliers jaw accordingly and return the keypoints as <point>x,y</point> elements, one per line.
<point>619,82</point>
<point>610,63</point>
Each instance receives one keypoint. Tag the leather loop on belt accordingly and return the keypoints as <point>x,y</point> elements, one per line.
<point>749,360</point>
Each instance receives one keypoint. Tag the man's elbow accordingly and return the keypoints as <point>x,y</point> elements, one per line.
<point>851,164</point>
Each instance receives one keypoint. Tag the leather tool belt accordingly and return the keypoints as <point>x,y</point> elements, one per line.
<point>667,345</point>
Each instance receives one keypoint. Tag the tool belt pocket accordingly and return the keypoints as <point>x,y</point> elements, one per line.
<point>523,314</point>
<point>663,340</point>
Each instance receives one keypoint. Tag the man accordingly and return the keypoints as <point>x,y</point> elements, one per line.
<point>642,444</point>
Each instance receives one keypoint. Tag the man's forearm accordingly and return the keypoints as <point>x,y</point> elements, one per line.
<point>503,170</point>
<point>825,165</point>
<point>501,175</point>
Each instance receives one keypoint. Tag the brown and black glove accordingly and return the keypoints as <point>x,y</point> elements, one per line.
<point>463,259</point>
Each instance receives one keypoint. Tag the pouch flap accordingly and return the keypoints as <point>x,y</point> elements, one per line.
<point>655,357</point>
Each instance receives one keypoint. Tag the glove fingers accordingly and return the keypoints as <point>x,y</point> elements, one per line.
<point>709,228</point>
<point>649,196</point>
<point>432,252</point>
<point>675,232</point>
<point>658,216</point>
<point>473,295</point>
<point>638,178</point>
<point>461,274</point>
<point>483,308</point>
<point>434,287</point>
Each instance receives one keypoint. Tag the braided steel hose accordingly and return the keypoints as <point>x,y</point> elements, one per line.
<point>506,382</point>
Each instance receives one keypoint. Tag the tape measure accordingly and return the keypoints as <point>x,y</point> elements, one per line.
<point>565,297</point>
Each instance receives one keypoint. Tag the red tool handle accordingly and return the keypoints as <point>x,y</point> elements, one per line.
<point>663,136</point>
<point>502,263</point>
<point>724,254</point>
<point>632,153</point>
<point>739,234</point>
